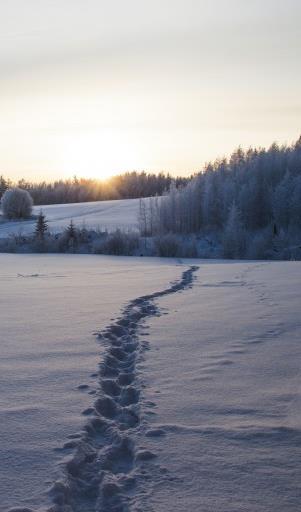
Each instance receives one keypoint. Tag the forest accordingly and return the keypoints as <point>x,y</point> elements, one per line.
<point>129,185</point>
<point>251,201</point>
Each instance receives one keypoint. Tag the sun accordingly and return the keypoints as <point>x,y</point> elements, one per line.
<point>98,155</point>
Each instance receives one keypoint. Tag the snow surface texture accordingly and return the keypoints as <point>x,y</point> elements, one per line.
<point>103,472</point>
<point>224,374</point>
<point>203,414</point>
<point>49,307</point>
<point>101,215</point>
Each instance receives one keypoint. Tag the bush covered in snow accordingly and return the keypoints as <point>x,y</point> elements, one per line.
<point>117,243</point>
<point>171,246</point>
<point>167,245</point>
<point>16,204</point>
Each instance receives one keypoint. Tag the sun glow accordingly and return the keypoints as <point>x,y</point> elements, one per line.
<point>98,155</point>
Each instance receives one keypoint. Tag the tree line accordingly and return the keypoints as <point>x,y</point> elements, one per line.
<point>247,205</point>
<point>252,199</point>
<point>124,186</point>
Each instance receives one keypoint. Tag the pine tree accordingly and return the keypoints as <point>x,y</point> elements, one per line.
<point>71,231</point>
<point>41,226</point>
<point>71,235</point>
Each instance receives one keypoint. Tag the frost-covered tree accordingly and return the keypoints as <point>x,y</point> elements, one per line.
<point>295,204</point>
<point>212,200</point>
<point>234,236</point>
<point>4,185</point>
<point>143,218</point>
<point>16,203</point>
<point>281,201</point>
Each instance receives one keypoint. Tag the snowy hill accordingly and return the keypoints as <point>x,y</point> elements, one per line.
<point>100,214</point>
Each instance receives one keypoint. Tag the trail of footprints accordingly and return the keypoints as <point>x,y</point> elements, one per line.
<point>101,473</point>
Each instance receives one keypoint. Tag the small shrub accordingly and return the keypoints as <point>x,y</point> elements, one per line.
<point>167,246</point>
<point>117,243</point>
<point>189,249</point>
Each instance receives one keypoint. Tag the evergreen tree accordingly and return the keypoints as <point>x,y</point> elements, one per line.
<point>71,231</point>
<point>41,226</point>
<point>71,235</point>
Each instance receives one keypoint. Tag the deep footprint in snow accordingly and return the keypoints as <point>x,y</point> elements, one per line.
<point>155,432</point>
<point>101,474</point>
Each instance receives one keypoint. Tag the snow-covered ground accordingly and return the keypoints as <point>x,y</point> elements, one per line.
<point>49,307</point>
<point>224,374</point>
<point>108,215</point>
<point>195,402</point>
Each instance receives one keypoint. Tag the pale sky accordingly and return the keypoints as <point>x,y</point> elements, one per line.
<point>95,87</point>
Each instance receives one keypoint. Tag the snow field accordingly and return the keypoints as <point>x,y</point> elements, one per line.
<point>223,375</point>
<point>50,307</point>
<point>101,215</point>
<point>195,403</point>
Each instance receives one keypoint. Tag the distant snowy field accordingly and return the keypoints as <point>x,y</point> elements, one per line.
<point>195,404</point>
<point>108,215</point>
